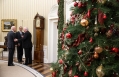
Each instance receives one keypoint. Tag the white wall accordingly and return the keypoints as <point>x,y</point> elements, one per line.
<point>25,10</point>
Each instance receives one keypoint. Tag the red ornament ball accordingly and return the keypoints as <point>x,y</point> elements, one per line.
<point>91,40</point>
<point>64,28</point>
<point>60,61</point>
<point>79,4</point>
<point>75,4</point>
<point>73,17</point>
<point>76,76</point>
<point>104,16</point>
<point>88,14</point>
<point>62,35</point>
<point>54,74</point>
<point>63,46</point>
<point>115,49</point>
<point>85,73</point>
<point>70,73</point>
<point>68,35</point>
<point>80,52</point>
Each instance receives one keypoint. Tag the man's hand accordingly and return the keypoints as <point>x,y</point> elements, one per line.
<point>15,39</point>
<point>22,36</point>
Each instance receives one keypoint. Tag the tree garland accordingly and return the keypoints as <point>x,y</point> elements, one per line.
<point>54,66</point>
<point>60,20</point>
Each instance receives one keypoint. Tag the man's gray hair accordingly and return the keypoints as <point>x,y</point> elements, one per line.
<point>26,28</point>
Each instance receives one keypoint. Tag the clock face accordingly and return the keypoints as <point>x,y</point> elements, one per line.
<point>38,22</point>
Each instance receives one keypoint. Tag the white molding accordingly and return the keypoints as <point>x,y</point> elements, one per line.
<point>68,5</point>
<point>51,38</point>
<point>53,12</point>
<point>52,21</point>
<point>5,53</point>
<point>45,54</point>
<point>69,1</point>
<point>52,18</point>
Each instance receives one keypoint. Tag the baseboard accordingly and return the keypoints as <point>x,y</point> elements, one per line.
<point>45,60</point>
<point>5,54</point>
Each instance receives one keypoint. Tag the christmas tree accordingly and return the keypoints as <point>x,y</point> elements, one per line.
<point>89,41</point>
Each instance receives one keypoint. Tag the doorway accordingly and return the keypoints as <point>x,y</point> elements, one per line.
<point>52,40</point>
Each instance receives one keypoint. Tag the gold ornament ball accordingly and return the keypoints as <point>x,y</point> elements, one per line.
<point>95,55</point>
<point>84,22</point>
<point>99,71</point>
<point>96,29</point>
<point>109,33</point>
<point>66,53</point>
<point>102,1</point>
<point>51,69</point>
<point>98,49</point>
<point>96,34</point>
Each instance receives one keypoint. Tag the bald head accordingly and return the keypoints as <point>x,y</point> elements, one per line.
<point>25,29</point>
<point>13,28</point>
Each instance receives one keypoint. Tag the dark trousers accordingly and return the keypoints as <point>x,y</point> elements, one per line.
<point>28,55</point>
<point>19,53</point>
<point>10,55</point>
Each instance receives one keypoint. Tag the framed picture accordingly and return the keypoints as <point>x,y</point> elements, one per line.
<point>7,23</point>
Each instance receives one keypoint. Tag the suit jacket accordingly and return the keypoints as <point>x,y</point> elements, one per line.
<point>18,36</point>
<point>26,40</point>
<point>10,37</point>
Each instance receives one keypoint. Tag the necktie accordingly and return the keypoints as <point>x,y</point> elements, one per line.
<point>20,32</point>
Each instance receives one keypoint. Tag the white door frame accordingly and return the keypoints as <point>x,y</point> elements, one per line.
<point>52,27</point>
<point>52,20</point>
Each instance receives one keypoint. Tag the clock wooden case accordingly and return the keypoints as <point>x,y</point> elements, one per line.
<point>39,38</point>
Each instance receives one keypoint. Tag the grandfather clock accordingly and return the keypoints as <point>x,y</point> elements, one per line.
<point>39,38</point>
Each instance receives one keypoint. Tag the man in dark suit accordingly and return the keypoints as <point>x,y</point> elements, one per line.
<point>19,35</point>
<point>11,45</point>
<point>27,45</point>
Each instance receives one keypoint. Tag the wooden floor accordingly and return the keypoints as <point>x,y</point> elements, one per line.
<point>42,68</point>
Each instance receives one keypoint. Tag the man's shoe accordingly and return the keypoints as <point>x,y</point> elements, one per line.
<point>20,61</point>
<point>25,64</point>
<point>11,65</point>
<point>29,63</point>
